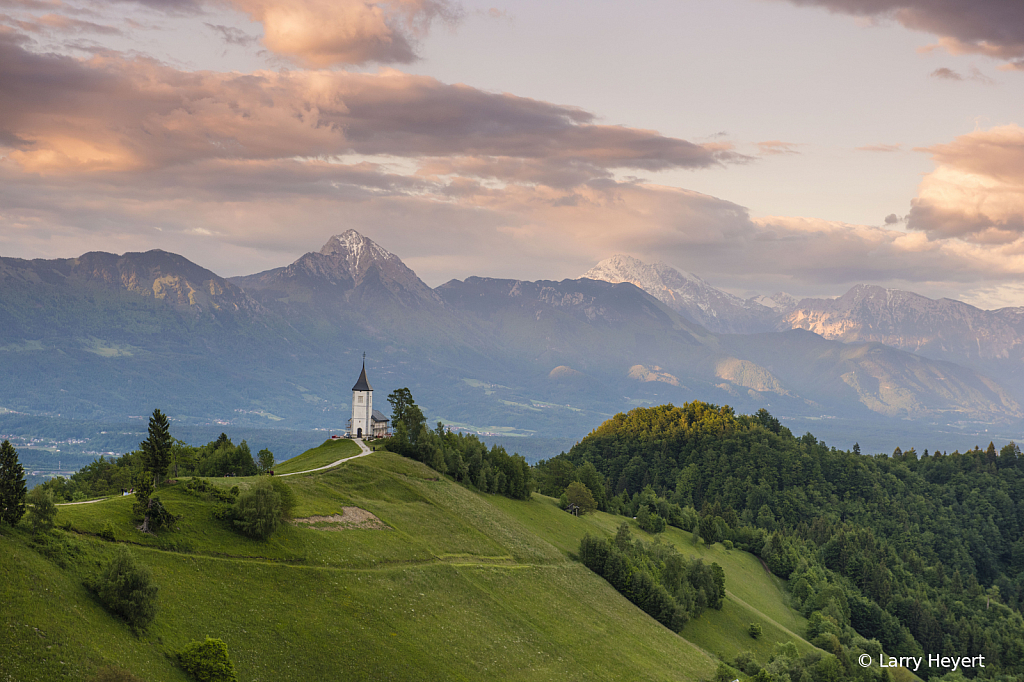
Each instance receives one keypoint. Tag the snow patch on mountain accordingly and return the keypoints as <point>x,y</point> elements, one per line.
<point>689,295</point>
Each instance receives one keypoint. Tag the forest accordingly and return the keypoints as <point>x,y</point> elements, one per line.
<point>919,553</point>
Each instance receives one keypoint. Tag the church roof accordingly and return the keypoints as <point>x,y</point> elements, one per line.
<point>379,416</point>
<point>362,384</point>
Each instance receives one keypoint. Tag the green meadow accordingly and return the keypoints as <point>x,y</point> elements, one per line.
<point>459,586</point>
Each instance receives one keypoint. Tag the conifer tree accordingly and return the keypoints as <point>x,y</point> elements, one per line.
<point>157,448</point>
<point>12,485</point>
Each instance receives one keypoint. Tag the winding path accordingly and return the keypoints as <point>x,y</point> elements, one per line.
<point>363,452</point>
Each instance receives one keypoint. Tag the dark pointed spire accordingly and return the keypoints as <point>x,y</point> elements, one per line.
<point>363,384</point>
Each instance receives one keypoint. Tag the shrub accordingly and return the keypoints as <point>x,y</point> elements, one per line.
<point>754,630</point>
<point>107,532</point>
<point>57,547</point>
<point>727,544</point>
<point>208,661</point>
<point>724,673</point>
<point>43,512</point>
<point>746,662</point>
<point>125,587</point>
<point>257,513</point>
<point>288,499</point>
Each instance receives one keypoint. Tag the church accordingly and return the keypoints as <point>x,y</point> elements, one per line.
<point>366,422</point>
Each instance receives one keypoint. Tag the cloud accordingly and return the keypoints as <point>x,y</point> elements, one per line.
<point>116,114</point>
<point>243,172</point>
<point>949,74</point>
<point>946,74</point>
<point>994,28</point>
<point>322,33</point>
<point>232,35</point>
<point>885,148</point>
<point>976,192</point>
<point>773,147</point>
<point>893,219</point>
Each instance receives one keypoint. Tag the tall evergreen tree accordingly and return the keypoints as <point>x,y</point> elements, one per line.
<point>12,485</point>
<point>157,448</point>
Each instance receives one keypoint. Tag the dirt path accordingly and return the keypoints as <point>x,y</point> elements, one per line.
<point>363,452</point>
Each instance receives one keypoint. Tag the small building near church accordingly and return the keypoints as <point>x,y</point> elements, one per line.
<point>366,422</point>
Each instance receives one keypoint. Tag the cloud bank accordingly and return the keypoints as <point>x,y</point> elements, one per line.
<point>994,28</point>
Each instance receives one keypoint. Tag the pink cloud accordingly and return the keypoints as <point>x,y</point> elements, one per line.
<point>118,114</point>
<point>976,192</point>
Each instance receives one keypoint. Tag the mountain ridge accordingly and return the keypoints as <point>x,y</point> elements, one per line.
<point>483,351</point>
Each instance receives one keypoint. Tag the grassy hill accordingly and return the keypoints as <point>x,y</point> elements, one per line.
<point>459,586</point>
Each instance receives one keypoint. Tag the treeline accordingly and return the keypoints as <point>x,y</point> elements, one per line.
<point>107,476</point>
<point>653,513</point>
<point>922,553</point>
<point>668,586</point>
<point>463,457</point>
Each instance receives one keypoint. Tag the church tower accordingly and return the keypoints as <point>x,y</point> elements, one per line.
<point>360,426</point>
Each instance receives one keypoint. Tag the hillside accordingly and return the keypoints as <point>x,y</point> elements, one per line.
<point>920,552</point>
<point>459,586</point>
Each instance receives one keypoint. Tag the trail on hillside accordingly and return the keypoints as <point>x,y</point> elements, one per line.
<point>363,452</point>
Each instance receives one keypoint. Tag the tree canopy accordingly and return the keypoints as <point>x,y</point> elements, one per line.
<point>12,485</point>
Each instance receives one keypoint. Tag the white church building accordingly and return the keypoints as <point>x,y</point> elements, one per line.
<point>366,422</point>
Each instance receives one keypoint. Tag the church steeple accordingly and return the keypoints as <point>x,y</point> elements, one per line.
<point>361,423</point>
<point>363,384</point>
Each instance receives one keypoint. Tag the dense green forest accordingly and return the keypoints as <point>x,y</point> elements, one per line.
<point>915,554</point>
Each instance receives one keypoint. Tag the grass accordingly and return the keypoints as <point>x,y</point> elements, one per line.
<point>461,586</point>
<point>327,453</point>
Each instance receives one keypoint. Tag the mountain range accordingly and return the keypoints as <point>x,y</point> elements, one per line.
<point>107,336</point>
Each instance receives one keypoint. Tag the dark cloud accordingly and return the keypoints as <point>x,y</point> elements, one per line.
<point>946,74</point>
<point>949,74</point>
<point>232,35</point>
<point>991,27</point>
<point>892,219</point>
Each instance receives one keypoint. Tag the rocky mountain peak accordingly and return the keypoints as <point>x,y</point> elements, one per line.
<point>686,293</point>
<point>349,264</point>
<point>356,254</point>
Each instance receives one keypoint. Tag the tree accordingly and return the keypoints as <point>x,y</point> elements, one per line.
<point>12,485</point>
<point>589,476</point>
<point>754,630</point>
<point>126,588</point>
<point>578,494</point>
<point>404,410</point>
<point>157,447</point>
<point>152,512</point>
<point>43,510</point>
<point>266,460</point>
<point>257,512</point>
<point>208,661</point>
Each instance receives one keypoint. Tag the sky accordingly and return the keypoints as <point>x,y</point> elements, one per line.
<point>802,146</point>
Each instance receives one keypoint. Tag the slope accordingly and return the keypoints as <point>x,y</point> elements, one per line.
<point>460,586</point>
